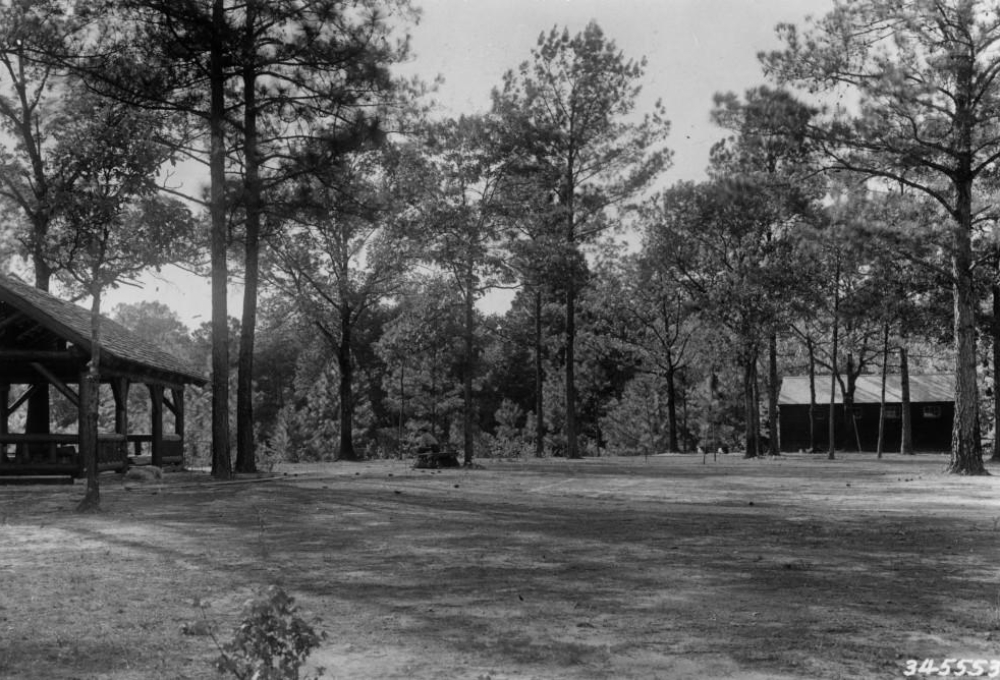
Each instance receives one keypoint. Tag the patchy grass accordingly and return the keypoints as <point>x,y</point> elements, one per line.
<point>605,568</point>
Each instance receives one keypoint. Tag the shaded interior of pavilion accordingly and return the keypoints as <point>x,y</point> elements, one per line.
<point>45,349</point>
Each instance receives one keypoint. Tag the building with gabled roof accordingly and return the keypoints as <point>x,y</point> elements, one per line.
<point>932,413</point>
<point>45,341</point>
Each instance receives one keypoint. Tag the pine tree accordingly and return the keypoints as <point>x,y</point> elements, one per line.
<point>568,117</point>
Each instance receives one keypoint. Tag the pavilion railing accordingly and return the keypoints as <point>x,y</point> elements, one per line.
<point>58,454</point>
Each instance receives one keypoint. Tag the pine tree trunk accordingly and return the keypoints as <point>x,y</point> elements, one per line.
<point>346,392</point>
<point>812,396</point>
<point>850,418</point>
<point>755,404</point>
<point>832,425</point>
<point>905,421</point>
<point>881,412</point>
<point>672,408</point>
<point>245,448</point>
<point>221,462</point>
<point>402,405</point>
<point>469,367</point>
<point>966,448</point>
<point>539,380</point>
<point>38,419</point>
<point>572,450</point>
<point>996,365</point>
<point>750,412</point>
<point>246,460</point>
<point>772,393</point>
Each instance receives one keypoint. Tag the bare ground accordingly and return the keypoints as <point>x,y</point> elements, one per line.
<point>665,567</point>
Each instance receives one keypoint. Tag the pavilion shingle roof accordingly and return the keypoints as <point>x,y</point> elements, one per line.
<point>72,322</point>
<point>932,387</point>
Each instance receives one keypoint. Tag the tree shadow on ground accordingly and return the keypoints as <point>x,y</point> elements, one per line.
<point>489,569</point>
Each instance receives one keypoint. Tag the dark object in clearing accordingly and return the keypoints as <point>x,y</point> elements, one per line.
<point>436,459</point>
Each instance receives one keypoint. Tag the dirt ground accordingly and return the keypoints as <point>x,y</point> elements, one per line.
<point>618,568</point>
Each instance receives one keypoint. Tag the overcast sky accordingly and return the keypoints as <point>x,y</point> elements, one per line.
<point>693,48</point>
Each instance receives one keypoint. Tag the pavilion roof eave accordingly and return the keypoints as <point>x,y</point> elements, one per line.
<point>148,377</point>
<point>121,351</point>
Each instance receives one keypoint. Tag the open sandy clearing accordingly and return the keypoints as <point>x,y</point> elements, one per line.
<point>605,568</point>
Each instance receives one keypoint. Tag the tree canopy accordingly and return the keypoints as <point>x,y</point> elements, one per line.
<point>368,232</point>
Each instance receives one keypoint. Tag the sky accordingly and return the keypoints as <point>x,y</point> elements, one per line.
<point>693,49</point>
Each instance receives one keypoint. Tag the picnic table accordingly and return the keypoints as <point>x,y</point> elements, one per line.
<point>436,459</point>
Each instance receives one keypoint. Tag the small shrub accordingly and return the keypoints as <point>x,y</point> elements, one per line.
<point>197,453</point>
<point>270,453</point>
<point>277,448</point>
<point>502,447</point>
<point>509,419</point>
<point>271,642</point>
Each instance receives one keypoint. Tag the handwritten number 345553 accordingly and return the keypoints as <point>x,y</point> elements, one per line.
<point>957,668</point>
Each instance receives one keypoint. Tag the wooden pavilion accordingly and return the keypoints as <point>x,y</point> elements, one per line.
<point>45,341</point>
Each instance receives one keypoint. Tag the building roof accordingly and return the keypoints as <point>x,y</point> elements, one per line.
<point>72,323</point>
<point>933,387</point>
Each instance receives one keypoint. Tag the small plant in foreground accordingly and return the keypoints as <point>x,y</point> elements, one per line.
<point>271,642</point>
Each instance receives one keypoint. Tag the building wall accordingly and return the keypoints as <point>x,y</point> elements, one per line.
<point>931,426</point>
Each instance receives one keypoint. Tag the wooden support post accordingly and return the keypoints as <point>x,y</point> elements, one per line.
<point>170,403</point>
<point>178,393</point>
<point>156,397</point>
<point>4,409</point>
<point>120,388</point>
<point>4,418</point>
